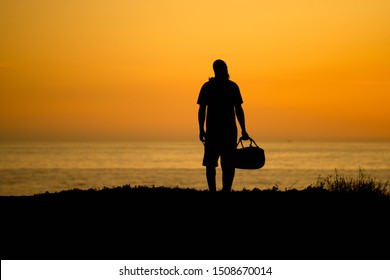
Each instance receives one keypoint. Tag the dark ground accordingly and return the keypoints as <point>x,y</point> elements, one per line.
<point>164,223</point>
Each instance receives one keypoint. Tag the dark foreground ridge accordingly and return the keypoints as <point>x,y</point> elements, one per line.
<point>173,223</point>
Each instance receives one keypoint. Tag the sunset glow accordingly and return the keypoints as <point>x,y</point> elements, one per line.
<point>132,70</point>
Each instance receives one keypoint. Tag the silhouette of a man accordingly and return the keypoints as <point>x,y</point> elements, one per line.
<point>219,104</point>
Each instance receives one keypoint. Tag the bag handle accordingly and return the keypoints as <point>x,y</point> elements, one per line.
<point>250,139</point>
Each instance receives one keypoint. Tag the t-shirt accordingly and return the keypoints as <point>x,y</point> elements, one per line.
<point>220,96</point>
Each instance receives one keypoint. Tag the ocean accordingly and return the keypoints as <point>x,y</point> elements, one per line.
<point>28,168</point>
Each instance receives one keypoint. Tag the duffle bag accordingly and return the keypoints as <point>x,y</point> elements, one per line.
<point>250,157</point>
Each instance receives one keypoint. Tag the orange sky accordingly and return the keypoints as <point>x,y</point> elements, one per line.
<point>83,69</point>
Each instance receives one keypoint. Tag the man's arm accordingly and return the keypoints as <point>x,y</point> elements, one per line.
<point>241,120</point>
<point>201,120</point>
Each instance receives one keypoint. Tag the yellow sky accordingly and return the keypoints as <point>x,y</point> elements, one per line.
<point>307,70</point>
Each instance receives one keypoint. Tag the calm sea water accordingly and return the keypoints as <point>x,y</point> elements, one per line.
<point>31,168</point>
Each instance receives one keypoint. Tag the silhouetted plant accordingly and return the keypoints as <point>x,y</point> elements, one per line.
<point>363,183</point>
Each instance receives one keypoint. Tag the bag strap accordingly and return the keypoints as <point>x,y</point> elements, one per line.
<point>250,145</point>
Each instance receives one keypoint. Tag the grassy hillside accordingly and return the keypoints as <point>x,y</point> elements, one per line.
<point>336,218</point>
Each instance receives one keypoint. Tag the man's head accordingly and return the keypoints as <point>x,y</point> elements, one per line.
<point>220,69</point>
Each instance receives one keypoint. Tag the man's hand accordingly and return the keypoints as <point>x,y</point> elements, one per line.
<point>202,136</point>
<point>245,135</point>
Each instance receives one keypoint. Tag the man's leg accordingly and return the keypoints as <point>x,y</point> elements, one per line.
<point>210,175</point>
<point>228,168</point>
<point>210,161</point>
<point>227,177</point>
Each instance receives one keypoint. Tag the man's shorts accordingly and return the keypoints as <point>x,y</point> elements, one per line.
<point>214,151</point>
